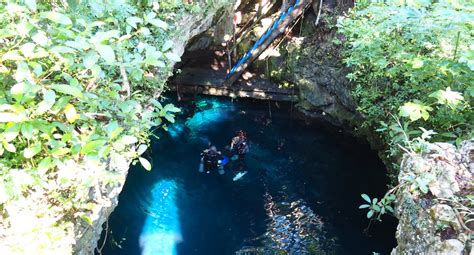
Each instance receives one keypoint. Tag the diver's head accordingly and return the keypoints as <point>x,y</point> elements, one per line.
<point>241,133</point>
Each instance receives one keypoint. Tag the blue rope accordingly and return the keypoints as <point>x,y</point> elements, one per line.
<point>262,39</point>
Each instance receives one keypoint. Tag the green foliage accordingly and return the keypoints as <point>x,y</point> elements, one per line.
<point>76,86</point>
<point>378,208</point>
<point>415,58</point>
<point>412,64</point>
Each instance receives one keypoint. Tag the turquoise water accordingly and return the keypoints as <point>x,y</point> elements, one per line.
<point>300,195</point>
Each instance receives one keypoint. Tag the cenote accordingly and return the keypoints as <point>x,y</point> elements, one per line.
<point>300,195</point>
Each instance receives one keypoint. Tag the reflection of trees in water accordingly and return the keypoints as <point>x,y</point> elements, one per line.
<point>293,229</point>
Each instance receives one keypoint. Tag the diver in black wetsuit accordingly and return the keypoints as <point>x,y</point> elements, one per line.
<point>239,146</point>
<point>211,159</point>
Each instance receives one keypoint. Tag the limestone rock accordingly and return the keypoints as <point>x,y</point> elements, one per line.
<point>430,222</point>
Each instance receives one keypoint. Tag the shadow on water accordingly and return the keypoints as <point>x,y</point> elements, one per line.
<point>303,183</point>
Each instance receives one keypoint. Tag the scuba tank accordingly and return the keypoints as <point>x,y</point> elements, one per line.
<point>201,166</point>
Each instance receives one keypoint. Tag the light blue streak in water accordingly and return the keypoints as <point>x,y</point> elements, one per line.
<point>162,231</point>
<point>213,113</point>
<point>176,130</point>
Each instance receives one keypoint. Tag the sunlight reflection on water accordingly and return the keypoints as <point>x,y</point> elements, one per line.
<point>162,231</point>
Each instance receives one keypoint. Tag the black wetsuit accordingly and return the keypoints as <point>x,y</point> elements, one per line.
<point>211,159</point>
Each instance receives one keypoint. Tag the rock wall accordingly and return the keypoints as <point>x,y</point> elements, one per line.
<point>313,64</point>
<point>435,196</point>
<point>435,221</point>
<point>106,197</point>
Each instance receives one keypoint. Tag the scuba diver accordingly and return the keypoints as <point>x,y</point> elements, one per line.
<point>239,144</point>
<point>239,147</point>
<point>211,160</point>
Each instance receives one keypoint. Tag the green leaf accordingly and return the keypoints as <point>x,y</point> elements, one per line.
<point>366,198</point>
<point>68,90</point>
<point>92,146</point>
<point>71,114</point>
<point>22,72</point>
<point>11,117</point>
<point>448,97</point>
<point>61,103</point>
<point>389,208</point>
<point>374,201</point>
<point>364,206</point>
<point>106,52</point>
<point>32,151</point>
<point>90,59</point>
<point>9,147</point>
<point>49,98</point>
<point>31,4</point>
<point>172,56</point>
<point>87,219</point>
<point>133,21</point>
<point>141,149</point>
<point>417,63</point>
<point>370,214</point>
<point>59,152</point>
<point>167,45</point>
<point>113,130</point>
<point>171,108</point>
<point>57,17</point>
<point>11,133</point>
<point>27,130</point>
<point>128,139</point>
<point>44,165</point>
<point>158,23</point>
<point>145,163</point>
<point>40,38</point>
<point>414,111</point>
<point>12,55</point>
<point>62,49</point>
<point>169,118</point>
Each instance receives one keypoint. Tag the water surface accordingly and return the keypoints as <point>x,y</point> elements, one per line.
<point>301,193</point>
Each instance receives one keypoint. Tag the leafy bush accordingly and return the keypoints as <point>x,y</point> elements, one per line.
<point>77,81</point>
<point>414,59</point>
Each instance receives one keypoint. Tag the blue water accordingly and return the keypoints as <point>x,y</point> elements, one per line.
<point>301,193</point>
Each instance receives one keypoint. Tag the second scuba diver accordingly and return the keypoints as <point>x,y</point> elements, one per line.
<point>239,147</point>
<point>239,144</point>
<point>211,160</point>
